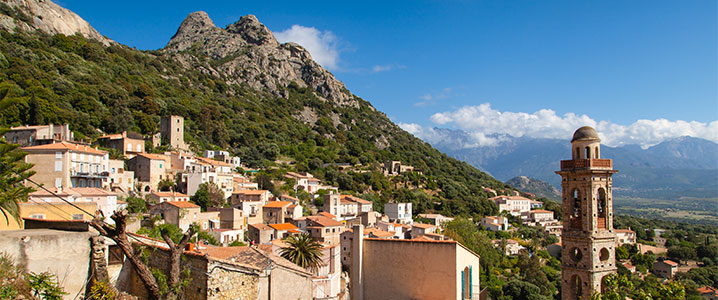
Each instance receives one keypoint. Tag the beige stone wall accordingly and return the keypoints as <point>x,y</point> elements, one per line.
<point>198,265</point>
<point>44,168</point>
<point>225,284</point>
<point>287,284</point>
<point>409,270</point>
<point>63,253</point>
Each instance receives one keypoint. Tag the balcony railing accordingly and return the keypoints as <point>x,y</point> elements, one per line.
<point>89,174</point>
<point>586,163</point>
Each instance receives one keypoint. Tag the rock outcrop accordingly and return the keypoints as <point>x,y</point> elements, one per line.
<point>247,52</point>
<point>30,15</point>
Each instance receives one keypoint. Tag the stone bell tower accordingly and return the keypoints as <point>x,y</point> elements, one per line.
<point>588,239</point>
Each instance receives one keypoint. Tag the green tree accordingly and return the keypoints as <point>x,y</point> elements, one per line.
<point>208,195</point>
<point>13,170</point>
<point>303,251</point>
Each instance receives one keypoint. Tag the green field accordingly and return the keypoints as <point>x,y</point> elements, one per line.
<point>684,209</point>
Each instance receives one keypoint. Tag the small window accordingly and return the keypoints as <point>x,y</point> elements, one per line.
<point>58,182</point>
<point>58,166</point>
<point>58,155</point>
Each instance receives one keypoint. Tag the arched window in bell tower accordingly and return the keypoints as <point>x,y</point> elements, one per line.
<point>578,153</point>
<point>576,209</point>
<point>596,154</point>
<point>588,152</point>
<point>602,208</point>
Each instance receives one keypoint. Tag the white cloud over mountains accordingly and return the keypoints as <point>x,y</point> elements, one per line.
<point>322,45</point>
<point>484,124</point>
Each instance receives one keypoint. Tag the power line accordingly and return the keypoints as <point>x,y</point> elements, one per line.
<point>65,200</point>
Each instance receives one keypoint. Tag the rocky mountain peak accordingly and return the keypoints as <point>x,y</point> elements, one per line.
<point>246,52</point>
<point>249,28</point>
<point>44,15</point>
<point>195,23</point>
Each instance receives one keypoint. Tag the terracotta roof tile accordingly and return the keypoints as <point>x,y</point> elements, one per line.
<point>182,204</point>
<point>249,192</point>
<point>283,226</point>
<point>277,204</point>
<point>65,146</point>
<point>324,221</point>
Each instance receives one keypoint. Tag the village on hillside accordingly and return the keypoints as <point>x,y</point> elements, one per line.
<point>243,236</point>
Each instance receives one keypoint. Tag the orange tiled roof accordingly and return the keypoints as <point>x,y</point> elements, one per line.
<point>425,226</point>
<point>67,147</point>
<point>169,194</point>
<point>277,204</point>
<point>182,204</point>
<point>152,156</point>
<point>540,211</point>
<point>328,215</point>
<point>283,226</point>
<point>289,197</point>
<point>324,221</point>
<point>509,198</point>
<point>670,262</point>
<point>261,226</point>
<point>213,162</point>
<point>354,199</point>
<point>624,231</point>
<point>250,192</point>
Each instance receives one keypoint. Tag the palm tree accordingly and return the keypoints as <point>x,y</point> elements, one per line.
<point>303,251</point>
<point>13,171</point>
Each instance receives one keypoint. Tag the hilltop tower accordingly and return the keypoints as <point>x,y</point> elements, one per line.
<point>172,131</point>
<point>588,239</point>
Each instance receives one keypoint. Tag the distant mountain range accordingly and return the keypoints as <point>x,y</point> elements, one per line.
<point>683,166</point>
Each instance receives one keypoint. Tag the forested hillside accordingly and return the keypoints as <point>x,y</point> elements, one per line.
<point>106,89</point>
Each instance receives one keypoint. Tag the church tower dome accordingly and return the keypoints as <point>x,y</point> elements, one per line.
<point>588,239</point>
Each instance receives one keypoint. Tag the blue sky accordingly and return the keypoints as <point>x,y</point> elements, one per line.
<point>513,65</point>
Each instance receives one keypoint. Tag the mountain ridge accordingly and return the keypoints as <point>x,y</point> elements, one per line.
<point>268,103</point>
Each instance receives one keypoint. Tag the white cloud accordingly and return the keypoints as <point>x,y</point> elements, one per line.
<point>484,124</point>
<point>385,68</point>
<point>431,98</point>
<point>322,45</point>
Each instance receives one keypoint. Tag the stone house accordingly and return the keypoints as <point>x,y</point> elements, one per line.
<point>418,229</point>
<point>105,201</point>
<point>228,273</point>
<point>159,197</point>
<point>515,205</point>
<point>204,170</point>
<point>495,223</point>
<point>418,269</point>
<point>274,211</point>
<point>129,144</point>
<point>539,215</point>
<point>230,218</point>
<point>323,229</point>
<point>243,183</point>
<point>436,219</point>
<point>260,234</point>
<point>305,181</point>
<point>65,165</point>
<point>399,212</point>
<point>150,169</point>
<point>39,134</point>
<point>119,180</point>
<point>249,196</point>
<point>665,268</point>
<point>184,213</point>
<point>625,236</point>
